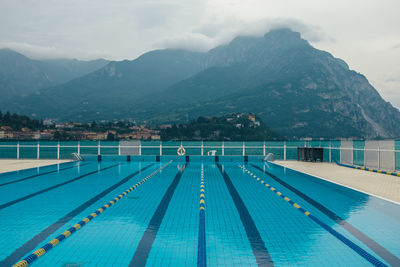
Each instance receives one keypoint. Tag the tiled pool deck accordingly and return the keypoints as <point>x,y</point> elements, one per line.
<point>7,165</point>
<point>381,185</point>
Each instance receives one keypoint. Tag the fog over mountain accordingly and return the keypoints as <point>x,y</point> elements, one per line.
<point>296,89</point>
<point>20,75</point>
<point>364,33</point>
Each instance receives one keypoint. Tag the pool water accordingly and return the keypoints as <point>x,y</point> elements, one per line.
<point>175,213</point>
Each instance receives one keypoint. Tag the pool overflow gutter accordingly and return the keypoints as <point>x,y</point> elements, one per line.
<point>368,169</point>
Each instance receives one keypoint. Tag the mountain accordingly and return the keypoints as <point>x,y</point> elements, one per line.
<point>20,75</point>
<point>114,90</point>
<point>294,88</point>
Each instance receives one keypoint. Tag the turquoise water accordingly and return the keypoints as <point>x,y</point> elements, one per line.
<point>159,224</point>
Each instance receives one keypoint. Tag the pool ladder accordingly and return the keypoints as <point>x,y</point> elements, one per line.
<point>76,157</point>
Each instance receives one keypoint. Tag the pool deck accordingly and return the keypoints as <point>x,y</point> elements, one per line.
<point>380,185</point>
<point>8,165</point>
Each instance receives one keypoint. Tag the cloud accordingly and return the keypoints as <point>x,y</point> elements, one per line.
<point>124,29</point>
<point>217,32</point>
<point>51,52</point>
<point>189,41</point>
<point>393,79</point>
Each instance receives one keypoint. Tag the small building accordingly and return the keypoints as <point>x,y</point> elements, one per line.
<point>165,126</point>
<point>155,137</point>
<point>252,117</point>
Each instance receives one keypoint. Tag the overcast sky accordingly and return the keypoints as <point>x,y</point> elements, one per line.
<point>365,33</point>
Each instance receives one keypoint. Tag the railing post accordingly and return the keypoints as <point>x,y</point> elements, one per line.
<point>394,155</point>
<point>18,150</point>
<point>223,148</point>
<point>119,148</point>
<point>98,148</point>
<point>202,148</point>
<point>365,165</point>
<point>140,147</point>
<point>160,148</point>
<point>79,147</point>
<point>352,153</point>
<point>379,157</point>
<point>330,152</point>
<point>244,149</point>
<point>58,150</point>
<point>38,151</point>
<point>284,150</point>
<point>264,149</point>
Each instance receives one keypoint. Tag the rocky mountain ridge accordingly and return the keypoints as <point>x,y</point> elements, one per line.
<point>294,88</point>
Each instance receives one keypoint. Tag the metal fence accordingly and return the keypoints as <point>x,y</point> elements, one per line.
<point>372,154</point>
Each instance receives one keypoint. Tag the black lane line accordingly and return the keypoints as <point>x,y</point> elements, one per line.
<point>40,174</point>
<point>257,244</point>
<point>5,205</point>
<point>201,244</point>
<point>143,250</point>
<point>369,242</point>
<point>39,238</point>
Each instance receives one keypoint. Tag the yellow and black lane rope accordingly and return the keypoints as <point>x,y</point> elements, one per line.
<point>345,240</point>
<point>201,248</point>
<point>202,191</point>
<point>38,253</point>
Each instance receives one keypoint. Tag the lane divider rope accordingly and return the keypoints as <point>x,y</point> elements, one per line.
<point>368,169</point>
<point>38,253</point>
<point>201,248</point>
<point>349,243</point>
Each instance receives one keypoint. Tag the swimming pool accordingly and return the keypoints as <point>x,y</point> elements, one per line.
<point>177,212</point>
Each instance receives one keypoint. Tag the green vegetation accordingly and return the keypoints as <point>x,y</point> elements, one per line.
<point>17,122</point>
<point>233,127</point>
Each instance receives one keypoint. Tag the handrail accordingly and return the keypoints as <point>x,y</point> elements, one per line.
<point>198,147</point>
<point>282,150</point>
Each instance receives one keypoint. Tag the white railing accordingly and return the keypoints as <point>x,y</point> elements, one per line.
<point>285,150</point>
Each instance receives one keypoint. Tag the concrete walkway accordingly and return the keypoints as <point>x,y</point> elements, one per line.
<point>382,185</point>
<point>8,165</point>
